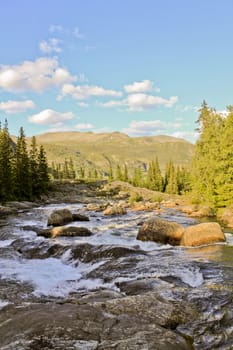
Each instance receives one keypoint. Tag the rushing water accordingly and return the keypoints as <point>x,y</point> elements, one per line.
<point>113,259</point>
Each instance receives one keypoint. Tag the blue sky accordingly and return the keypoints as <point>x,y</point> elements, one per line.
<point>142,67</point>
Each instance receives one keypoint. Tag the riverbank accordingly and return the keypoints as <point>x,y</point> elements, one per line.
<point>109,290</point>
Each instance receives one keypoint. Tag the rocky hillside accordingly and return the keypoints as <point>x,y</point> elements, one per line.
<point>101,150</point>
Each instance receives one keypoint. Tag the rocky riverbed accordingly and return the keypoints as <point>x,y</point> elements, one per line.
<point>110,290</point>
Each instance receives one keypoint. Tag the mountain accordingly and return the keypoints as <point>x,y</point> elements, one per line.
<point>102,149</point>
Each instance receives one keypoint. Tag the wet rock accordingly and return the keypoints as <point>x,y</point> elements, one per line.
<point>96,206</point>
<point>60,217</point>
<point>4,211</point>
<point>115,210</point>
<point>80,217</point>
<point>205,233</point>
<point>145,206</point>
<point>68,231</point>
<point>136,322</point>
<point>160,231</point>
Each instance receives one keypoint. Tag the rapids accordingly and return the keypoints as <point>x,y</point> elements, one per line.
<point>35,269</point>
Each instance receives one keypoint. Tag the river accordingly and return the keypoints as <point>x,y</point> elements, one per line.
<point>34,270</point>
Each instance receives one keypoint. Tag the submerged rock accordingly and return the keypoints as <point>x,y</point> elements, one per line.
<point>205,233</point>
<point>160,231</point>
<point>60,217</point>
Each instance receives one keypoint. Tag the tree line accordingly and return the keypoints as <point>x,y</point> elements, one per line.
<point>176,180</point>
<point>24,171</point>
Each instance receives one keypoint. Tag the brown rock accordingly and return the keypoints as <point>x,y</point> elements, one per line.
<point>160,231</point>
<point>114,210</point>
<point>68,231</point>
<point>227,217</point>
<point>60,217</point>
<point>201,234</point>
<point>79,217</point>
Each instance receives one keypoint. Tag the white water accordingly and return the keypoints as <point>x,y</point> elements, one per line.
<point>59,277</point>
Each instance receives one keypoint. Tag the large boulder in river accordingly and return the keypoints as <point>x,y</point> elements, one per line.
<point>160,231</point>
<point>60,217</point>
<point>201,234</point>
<point>67,231</point>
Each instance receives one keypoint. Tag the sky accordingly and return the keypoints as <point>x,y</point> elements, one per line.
<point>142,67</point>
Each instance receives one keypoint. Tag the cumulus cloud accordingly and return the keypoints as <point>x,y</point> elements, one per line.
<point>83,104</point>
<point>140,102</point>
<point>187,135</point>
<point>49,116</point>
<point>84,126</point>
<point>139,86</point>
<point>37,76</point>
<point>82,92</point>
<point>149,128</point>
<point>13,107</point>
<point>51,45</point>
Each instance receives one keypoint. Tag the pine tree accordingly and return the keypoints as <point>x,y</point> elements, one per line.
<point>43,173</point>
<point>22,178</point>
<point>119,175</point>
<point>33,162</point>
<point>154,180</point>
<point>171,181</point>
<point>6,157</point>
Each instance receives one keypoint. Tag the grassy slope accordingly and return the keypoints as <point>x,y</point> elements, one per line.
<point>101,149</point>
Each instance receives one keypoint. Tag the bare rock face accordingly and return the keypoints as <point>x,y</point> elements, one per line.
<point>68,231</point>
<point>161,231</point>
<point>201,234</point>
<point>60,217</point>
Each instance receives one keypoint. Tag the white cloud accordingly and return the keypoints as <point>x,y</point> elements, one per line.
<point>55,28</point>
<point>49,116</point>
<point>77,34</point>
<point>14,107</point>
<point>139,86</point>
<point>38,75</point>
<point>149,128</point>
<point>140,102</point>
<point>83,104</point>
<point>52,45</point>
<point>84,126</point>
<point>82,92</point>
<point>187,135</point>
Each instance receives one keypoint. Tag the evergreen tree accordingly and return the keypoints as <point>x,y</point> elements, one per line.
<point>154,180</point>
<point>33,162</point>
<point>119,175</point>
<point>6,157</point>
<point>171,180</point>
<point>205,164</point>
<point>22,178</point>
<point>43,174</point>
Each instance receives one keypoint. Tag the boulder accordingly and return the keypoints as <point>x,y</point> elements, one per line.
<point>68,231</point>
<point>160,231</point>
<point>60,217</point>
<point>201,234</point>
<point>115,210</point>
<point>227,217</point>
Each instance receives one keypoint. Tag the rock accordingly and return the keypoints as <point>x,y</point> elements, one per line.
<point>160,231</point>
<point>68,231</point>
<point>115,210</point>
<point>145,206</point>
<point>203,211</point>
<point>60,217</point>
<point>4,211</point>
<point>201,234</point>
<point>80,217</point>
<point>96,206</point>
<point>227,217</point>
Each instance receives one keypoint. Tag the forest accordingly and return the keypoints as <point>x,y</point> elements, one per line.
<point>23,171</point>
<point>25,174</point>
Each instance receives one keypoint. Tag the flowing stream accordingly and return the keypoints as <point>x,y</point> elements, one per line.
<point>112,259</point>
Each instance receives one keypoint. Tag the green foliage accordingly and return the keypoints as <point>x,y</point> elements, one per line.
<point>135,197</point>
<point>23,173</point>
<point>212,166</point>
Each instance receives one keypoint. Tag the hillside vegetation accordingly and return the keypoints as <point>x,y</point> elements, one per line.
<point>109,149</point>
